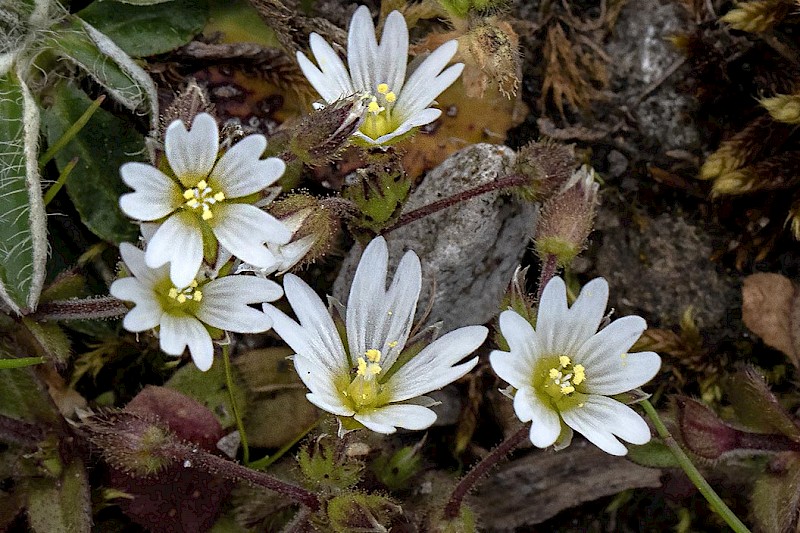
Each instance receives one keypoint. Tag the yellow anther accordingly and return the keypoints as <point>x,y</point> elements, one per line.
<point>392,344</point>
<point>220,196</point>
<point>188,194</point>
<point>567,389</point>
<point>193,203</point>
<point>181,298</point>
<point>374,369</point>
<point>390,97</point>
<point>173,293</point>
<point>373,107</point>
<point>202,184</point>
<point>362,367</point>
<point>373,355</point>
<point>197,296</point>
<point>207,214</point>
<point>564,361</point>
<point>383,88</point>
<point>580,374</point>
<point>193,284</point>
<point>554,373</point>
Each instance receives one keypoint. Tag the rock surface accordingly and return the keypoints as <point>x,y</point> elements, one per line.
<point>468,251</point>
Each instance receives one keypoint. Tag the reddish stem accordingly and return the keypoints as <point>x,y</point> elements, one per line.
<point>548,271</point>
<point>507,182</point>
<point>451,510</point>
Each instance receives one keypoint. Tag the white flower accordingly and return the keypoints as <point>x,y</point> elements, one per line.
<point>378,72</point>
<point>183,314</point>
<point>368,377</point>
<point>565,369</point>
<point>205,196</point>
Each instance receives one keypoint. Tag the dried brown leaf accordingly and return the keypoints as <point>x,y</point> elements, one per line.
<point>769,310</point>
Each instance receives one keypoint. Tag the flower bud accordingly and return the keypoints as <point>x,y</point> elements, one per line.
<point>130,442</point>
<point>492,46</point>
<point>319,137</point>
<point>188,103</point>
<point>568,218</point>
<point>395,471</point>
<point>549,165</point>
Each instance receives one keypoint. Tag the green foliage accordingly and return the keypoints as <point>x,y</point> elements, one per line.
<point>23,397</point>
<point>776,495</point>
<point>379,195</point>
<point>23,240</point>
<point>357,511</point>
<point>62,505</point>
<point>47,340</point>
<point>102,146</point>
<point>324,469</point>
<point>654,454</point>
<point>142,29</point>
<point>396,470</point>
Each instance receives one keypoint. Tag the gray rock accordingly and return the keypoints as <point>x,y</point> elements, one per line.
<point>641,57</point>
<point>468,251</point>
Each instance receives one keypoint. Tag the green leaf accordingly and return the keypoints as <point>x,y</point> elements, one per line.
<point>104,144</point>
<point>654,454</point>
<point>48,340</point>
<point>62,505</point>
<point>146,31</point>
<point>23,396</point>
<point>776,494</point>
<point>23,229</point>
<point>108,64</point>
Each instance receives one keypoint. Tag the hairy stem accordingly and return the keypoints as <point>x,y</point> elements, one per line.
<point>192,457</point>
<point>81,309</point>
<point>507,182</point>
<point>694,475</point>
<point>549,268</point>
<point>453,507</point>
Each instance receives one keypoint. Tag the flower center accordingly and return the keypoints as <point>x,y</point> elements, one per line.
<point>364,390</point>
<point>192,292</point>
<point>202,197</point>
<point>563,377</point>
<point>379,112</point>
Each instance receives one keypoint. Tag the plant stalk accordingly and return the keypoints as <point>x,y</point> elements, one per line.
<point>694,475</point>
<point>234,407</point>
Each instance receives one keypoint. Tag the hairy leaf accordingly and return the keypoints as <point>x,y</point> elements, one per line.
<point>62,505</point>
<point>102,146</point>
<point>23,231</point>
<point>145,31</point>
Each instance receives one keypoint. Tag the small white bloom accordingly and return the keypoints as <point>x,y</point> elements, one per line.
<point>182,313</point>
<point>367,376</point>
<point>205,196</point>
<point>286,255</point>
<point>565,369</point>
<point>396,102</point>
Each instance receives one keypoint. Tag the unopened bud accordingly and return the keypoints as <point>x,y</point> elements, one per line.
<point>188,103</point>
<point>314,224</point>
<point>550,165</point>
<point>567,218</point>
<point>395,471</point>
<point>319,137</point>
<point>703,432</point>
<point>493,47</point>
<point>130,442</point>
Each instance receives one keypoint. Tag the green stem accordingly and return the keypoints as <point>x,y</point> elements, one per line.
<point>236,414</point>
<point>62,179</point>
<point>71,132</point>
<point>694,475</point>
<point>265,462</point>
<point>20,362</point>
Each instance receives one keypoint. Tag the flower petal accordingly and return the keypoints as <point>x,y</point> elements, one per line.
<point>366,292</point>
<point>147,312</point>
<point>331,79</point>
<point>432,368</point>
<point>545,423</point>
<point>393,52</point>
<point>522,339</point>
<point>178,331</point>
<point>386,419</point>
<point>224,303</point>
<point>134,261</point>
<point>598,419</point>
<point>511,368</point>
<point>584,317</point>
<point>552,316</point>
<point>317,339</point>
<point>241,171</point>
<point>321,384</point>
<point>191,154</point>
<point>628,372</point>
<point>604,353</point>
<point>362,51</point>
<point>428,81</point>
<point>179,242</point>
<point>155,194</point>
<point>243,229</point>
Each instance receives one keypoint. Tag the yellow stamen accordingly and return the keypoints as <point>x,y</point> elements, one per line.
<point>181,298</point>
<point>197,296</point>
<point>564,361</point>
<point>188,194</point>
<point>567,389</point>
<point>207,214</point>
<point>392,344</point>
<point>373,355</point>
<point>220,196</point>
<point>580,374</point>
<point>202,184</point>
<point>373,107</point>
<point>362,367</point>
<point>390,97</point>
<point>554,373</point>
<point>383,88</point>
<point>173,293</point>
